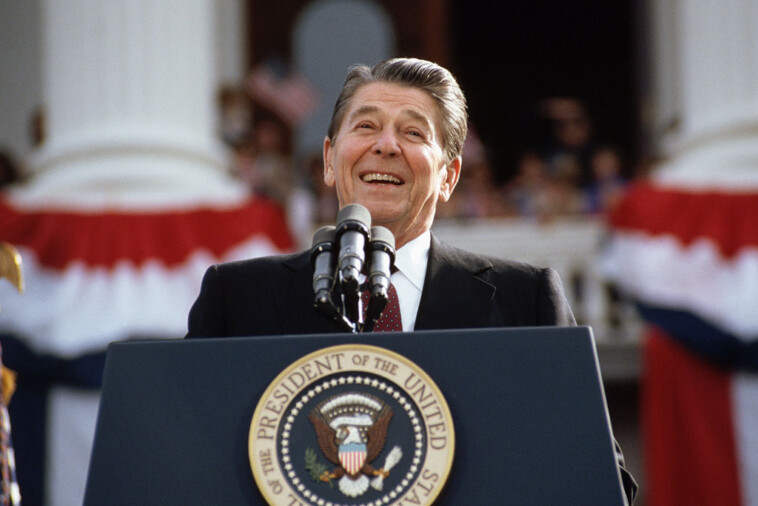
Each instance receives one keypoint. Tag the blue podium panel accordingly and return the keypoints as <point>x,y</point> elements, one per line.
<point>530,420</point>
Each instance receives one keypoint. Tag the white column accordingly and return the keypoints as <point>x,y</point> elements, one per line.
<point>129,98</point>
<point>705,70</point>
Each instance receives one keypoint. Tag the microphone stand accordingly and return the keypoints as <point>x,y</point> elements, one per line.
<point>336,278</point>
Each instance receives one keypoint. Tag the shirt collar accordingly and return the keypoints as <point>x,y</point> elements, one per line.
<point>413,257</point>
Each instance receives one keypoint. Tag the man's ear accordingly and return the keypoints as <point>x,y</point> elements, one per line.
<point>450,178</point>
<point>328,167</point>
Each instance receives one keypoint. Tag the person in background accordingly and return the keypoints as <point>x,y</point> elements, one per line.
<point>608,184</point>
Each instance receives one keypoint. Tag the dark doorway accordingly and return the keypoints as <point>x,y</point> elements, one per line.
<point>510,55</point>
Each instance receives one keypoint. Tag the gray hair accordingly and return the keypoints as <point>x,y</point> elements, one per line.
<point>437,81</point>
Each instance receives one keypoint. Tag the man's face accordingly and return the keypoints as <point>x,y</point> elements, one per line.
<point>388,156</point>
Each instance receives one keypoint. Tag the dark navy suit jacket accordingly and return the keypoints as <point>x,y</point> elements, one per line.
<point>274,296</point>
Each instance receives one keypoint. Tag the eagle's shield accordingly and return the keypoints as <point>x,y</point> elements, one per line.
<point>352,456</point>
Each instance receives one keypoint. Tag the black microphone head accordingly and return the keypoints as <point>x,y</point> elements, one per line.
<point>382,235</point>
<point>323,240</point>
<point>353,216</point>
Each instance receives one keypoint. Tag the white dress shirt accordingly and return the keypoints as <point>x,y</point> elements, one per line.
<point>411,261</point>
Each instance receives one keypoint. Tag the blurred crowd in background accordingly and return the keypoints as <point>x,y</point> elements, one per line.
<point>564,171</point>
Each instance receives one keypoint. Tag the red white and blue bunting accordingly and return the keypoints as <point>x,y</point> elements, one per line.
<point>95,276</point>
<point>689,257</point>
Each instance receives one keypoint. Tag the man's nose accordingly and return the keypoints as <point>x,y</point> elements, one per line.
<point>386,143</point>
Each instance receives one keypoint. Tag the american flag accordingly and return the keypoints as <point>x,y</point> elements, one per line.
<point>293,98</point>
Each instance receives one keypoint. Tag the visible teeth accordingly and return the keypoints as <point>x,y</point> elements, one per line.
<point>387,178</point>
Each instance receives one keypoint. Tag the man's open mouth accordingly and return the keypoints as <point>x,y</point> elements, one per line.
<point>380,178</point>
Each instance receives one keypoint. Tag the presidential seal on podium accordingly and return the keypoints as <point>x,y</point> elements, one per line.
<point>351,424</point>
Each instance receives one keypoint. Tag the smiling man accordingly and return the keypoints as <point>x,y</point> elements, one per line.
<point>394,146</point>
<point>388,155</point>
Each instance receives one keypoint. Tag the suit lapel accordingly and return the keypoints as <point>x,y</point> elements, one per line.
<point>454,294</point>
<point>295,301</point>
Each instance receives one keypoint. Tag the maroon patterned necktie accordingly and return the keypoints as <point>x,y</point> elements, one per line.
<point>390,321</point>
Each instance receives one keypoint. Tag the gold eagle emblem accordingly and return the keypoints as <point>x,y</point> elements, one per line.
<point>351,430</point>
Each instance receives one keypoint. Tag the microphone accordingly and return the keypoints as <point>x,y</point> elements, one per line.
<point>353,224</point>
<point>323,261</point>
<point>382,255</point>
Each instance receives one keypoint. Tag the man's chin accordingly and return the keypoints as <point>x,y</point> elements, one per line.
<point>382,214</point>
